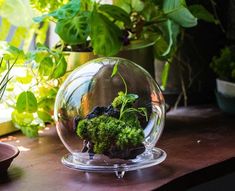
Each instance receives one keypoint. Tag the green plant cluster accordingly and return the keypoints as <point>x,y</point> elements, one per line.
<point>32,95</point>
<point>106,132</point>
<point>224,65</point>
<point>127,24</point>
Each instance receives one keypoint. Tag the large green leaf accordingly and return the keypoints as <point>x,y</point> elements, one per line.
<point>26,102</point>
<point>60,68</point>
<point>105,35</point>
<point>178,12</point>
<point>201,13</point>
<point>74,30</point>
<point>116,13</point>
<point>166,44</point>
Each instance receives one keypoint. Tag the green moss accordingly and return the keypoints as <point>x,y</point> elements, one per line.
<point>106,132</point>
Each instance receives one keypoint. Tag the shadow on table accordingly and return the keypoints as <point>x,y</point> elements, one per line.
<point>13,174</point>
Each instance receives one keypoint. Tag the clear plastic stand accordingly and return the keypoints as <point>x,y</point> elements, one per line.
<point>153,157</point>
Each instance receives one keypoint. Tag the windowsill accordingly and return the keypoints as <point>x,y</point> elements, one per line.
<point>6,125</point>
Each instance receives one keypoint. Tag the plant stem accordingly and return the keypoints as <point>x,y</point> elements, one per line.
<point>124,82</point>
<point>213,4</point>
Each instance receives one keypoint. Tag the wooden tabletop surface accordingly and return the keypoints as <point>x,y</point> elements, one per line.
<point>199,141</point>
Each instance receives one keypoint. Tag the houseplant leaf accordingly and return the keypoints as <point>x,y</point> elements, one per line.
<point>26,102</point>
<point>46,66</point>
<point>105,35</point>
<point>74,30</point>
<point>60,68</point>
<point>201,13</point>
<point>116,13</point>
<point>178,12</point>
<point>167,42</point>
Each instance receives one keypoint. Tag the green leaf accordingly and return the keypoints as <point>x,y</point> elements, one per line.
<point>46,66</point>
<point>60,68</point>
<point>165,45</point>
<point>201,13</point>
<point>67,11</point>
<point>74,30</point>
<point>26,102</point>
<point>105,35</point>
<point>160,48</point>
<point>115,70</point>
<point>178,12</point>
<point>116,13</point>
<point>45,116</point>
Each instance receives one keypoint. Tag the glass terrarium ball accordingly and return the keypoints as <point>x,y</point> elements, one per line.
<point>109,111</point>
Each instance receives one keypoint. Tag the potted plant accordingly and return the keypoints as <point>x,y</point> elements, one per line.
<point>107,30</point>
<point>224,67</point>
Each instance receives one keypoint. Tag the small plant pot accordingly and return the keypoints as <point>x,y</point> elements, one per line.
<point>225,88</point>
<point>7,154</point>
<point>226,103</point>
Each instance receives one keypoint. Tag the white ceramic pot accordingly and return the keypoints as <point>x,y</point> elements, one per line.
<point>225,87</point>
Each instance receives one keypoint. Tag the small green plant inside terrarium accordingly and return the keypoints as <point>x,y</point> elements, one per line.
<point>114,130</point>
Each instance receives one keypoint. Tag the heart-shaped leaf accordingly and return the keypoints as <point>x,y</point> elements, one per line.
<point>26,102</point>
<point>74,30</point>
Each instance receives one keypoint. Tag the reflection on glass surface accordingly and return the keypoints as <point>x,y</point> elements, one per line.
<point>88,95</point>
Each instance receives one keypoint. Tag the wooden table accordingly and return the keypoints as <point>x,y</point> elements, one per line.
<point>200,144</point>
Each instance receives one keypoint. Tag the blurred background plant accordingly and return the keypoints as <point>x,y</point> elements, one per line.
<point>224,64</point>
<point>5,78</point>
<point>31,93</point>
